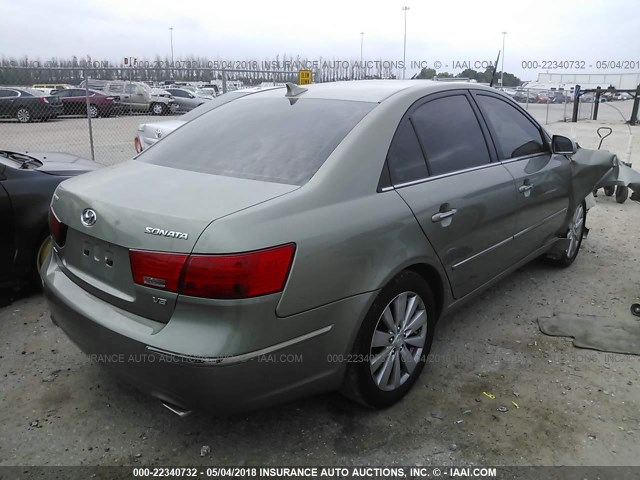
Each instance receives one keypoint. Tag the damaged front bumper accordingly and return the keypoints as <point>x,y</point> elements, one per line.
<point>593,169</point>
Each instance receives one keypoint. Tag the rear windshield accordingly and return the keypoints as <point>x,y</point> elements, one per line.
<point>211,104</point>
<point>271,139</point>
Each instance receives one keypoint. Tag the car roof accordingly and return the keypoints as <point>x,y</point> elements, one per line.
<point>30,90</point>
<point>374,90</point>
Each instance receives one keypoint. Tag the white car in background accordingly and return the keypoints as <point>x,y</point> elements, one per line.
<point>149,133</point>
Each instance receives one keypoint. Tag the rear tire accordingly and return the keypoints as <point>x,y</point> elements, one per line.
<point>575,234</point>
<point>393,343</point>
<point>608,191</point>
<point>23,115</point>
<point>42,253</point>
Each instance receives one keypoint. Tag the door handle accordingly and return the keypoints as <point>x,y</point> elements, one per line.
<point>525,188</point>
<point>438,217</point>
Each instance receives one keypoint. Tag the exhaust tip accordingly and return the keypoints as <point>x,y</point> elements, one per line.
<point>181,412</point>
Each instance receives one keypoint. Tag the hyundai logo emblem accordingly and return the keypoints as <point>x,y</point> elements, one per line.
<point>88,217</point>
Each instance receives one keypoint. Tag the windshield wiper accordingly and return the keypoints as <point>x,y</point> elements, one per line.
<point>21,158</point>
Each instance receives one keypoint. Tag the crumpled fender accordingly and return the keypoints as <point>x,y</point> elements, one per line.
<point>592,169</point>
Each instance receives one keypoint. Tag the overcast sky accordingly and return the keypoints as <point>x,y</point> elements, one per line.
<point>436,30</point>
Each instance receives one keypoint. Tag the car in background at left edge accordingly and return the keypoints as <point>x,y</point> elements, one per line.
<point>27,183</point>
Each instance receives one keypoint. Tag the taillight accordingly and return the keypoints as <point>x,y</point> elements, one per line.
<point>241,275</point>
<point>57,229</point>
<point>157,269</point>
<point>138,144</point>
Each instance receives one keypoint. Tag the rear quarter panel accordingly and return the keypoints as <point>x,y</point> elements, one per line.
<point>350,238</point>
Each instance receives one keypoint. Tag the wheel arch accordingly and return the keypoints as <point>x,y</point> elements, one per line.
<point>435,281</point>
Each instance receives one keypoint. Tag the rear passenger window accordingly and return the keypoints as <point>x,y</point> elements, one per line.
<point>406,162</point>
<point>450,134</point>
<point>517,135</point>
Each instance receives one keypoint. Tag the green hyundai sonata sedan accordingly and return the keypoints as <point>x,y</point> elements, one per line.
<point>302,240</point>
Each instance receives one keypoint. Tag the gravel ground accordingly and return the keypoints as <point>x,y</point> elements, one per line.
<point>576,407</point>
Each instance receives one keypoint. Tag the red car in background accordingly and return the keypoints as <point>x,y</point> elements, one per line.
<point>543,97</point>
<point>75,103</point>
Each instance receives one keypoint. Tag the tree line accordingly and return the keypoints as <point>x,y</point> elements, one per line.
<point>29,71</point>
<point>510,80</point>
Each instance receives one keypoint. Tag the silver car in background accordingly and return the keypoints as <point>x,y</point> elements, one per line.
<point>185,99</point>
<point>301,240</point>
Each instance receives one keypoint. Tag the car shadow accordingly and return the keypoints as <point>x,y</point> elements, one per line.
<point>9,295</point>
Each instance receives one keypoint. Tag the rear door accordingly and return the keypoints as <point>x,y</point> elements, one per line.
<point>117,89</point>
<point>137,96</point>
<point>542,180</point>
<point>441,164</point>
<point>67,102</point>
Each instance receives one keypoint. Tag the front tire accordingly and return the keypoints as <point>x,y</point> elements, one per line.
<point>622,193</point>
<point>93,111</point>
<point>158,109</point>
<point>393,343</point>
<point>575,234</point>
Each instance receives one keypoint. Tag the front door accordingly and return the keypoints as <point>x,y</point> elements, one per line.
<point>542,180</point>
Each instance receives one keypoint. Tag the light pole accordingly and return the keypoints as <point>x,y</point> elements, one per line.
<point>404,52</point>
<point>504,34</point>
<point>171,33</point>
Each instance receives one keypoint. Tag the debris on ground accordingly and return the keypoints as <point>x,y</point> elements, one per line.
<point>205,450</point>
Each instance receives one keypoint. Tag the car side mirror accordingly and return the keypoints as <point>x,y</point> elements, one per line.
<point>563,146</point>
<point>192,96</point>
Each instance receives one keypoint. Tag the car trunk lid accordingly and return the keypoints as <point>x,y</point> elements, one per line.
<point>143,207</point>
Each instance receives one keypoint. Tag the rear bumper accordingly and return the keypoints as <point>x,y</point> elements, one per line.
<point>303,364</point>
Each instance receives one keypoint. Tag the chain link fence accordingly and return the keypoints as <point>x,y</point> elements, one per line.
<point>551,106</point>
<point>546,106</point>
<point>96,113</point>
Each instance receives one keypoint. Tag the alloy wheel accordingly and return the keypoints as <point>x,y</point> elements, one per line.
<point>398,341</point>
<point>23,115</point>
<point>575,231</point>
<point>158,108</point>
